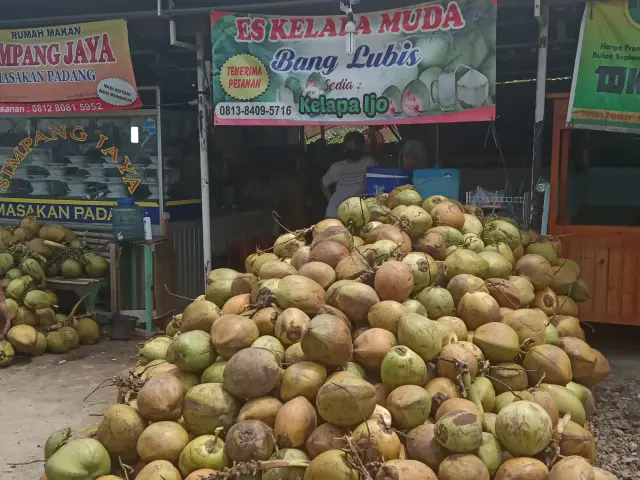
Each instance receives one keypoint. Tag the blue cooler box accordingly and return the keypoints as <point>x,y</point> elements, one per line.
<point>437,181</point>
<point>383,180</point>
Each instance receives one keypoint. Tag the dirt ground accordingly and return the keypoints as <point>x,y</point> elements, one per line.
<point>44,394</point>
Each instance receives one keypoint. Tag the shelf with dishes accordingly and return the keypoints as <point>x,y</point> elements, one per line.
<point>79,176</point>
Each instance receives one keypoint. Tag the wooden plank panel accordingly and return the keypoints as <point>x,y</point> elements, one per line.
<point>588,262</point>
<point>614,283</point>
<point>599,286</point>
<point>629,282</point>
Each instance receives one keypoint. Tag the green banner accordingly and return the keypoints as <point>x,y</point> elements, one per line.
<point>605,94</point>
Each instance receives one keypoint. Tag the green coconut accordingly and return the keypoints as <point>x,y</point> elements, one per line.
<point>192,351</point>
<point>89,331</point>
<point>524,428</point>
<point>254,262</point>
<point>422,336</point>
<point>409,405</point>
<point>207,407</point>
<point>70,335</point>
<point>585,396</point>
<point>499,266</point>
<point>205,451</point>
<point>31,267</point>
<point>490,452</point>
<point>354,214</point>
<point>13,274</point>
<point>503,249</point>
<point>452,235</point>
<point>501,231</point>
<point>528,324</point>
<point>522,468</point>
<point>56,440</point>
<point>302,379</point>
<point>567,402</point>
<point>402,366</point>
<point>345,399</point>
<point>544,249</point>
<point>17,289</point>
<point>463,466</point>
<point>489,422</point>
<point>293,457</point>
<point>459,431</point>
<point>264,409</point>
<point>437,301</point>
<point>504,399</point>
<point>96,266</point>
<point>57,342</point>
<point>22,338</point>
<point>413,220</point>
<point>119,431</point>
<point>7,352</point>
<point>71,269</point>
<point>466,261</point>
<point>79,459</point>
<point>482,389</point>
<point>214,373</point>
<point>382,439</point>
<point>462,284</point>
<point>331,465</point>
<point>425,270</point>
<point>40,347</point>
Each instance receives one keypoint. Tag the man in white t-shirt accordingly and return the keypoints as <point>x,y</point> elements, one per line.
<point>347,178</point>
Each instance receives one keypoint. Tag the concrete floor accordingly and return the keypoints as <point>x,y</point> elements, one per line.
<point>43,394</point>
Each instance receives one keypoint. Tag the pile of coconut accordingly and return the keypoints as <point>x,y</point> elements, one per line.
<point>410,339</point>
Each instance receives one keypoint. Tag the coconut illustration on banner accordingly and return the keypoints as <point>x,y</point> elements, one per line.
<point>426,63</point>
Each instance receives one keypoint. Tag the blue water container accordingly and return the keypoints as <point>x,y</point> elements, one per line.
<point>383,180</point>
<point>126,219</point>
<point>437,181</point>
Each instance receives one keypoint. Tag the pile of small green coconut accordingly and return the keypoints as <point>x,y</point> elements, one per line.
<point>30,254</point>
<point>409,339</point>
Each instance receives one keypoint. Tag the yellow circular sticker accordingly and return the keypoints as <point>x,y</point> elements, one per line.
<point>244,77</point>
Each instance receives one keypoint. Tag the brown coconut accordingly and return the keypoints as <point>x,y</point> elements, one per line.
<point>319,272</point>
<point>525,289</point>
<point>464,283</point>
<point>390,232</point>
<point>335,233</point>
<point>120,430</point>
<point>423,446</point>
<point>528,324</point>
<point>324,438</point>
<point>583,358</point>
<point>264,409</point>
<point>322,225</point>
<point>547,301</point>
<point>545,400</point>
<point>536,269</point>
<point>344,399</point>
<point>386,315</point>
<point>380,438</point>
<point>448,214</point>
<point>477,309</point>
<point>522,468</point>
<point>567,326</point>
<point>327,341</point>
<point>601,371</point>
<point>441,389</point>
<point>453,404</point>
<point>462,467</point>
<point>405,470</point>
<point>550,361</point>
<point>243,283</point>
<point>295,423</point>
<point>199,315</point>
<point>301,257</point>
<point>504,291</point>
<point>329,310</point>
<point>371,346</point>
<point>354,300</point>
<point>566,306</point>
<point>254,262</point>
<point>409,406</point>
<point>573,467</point>
<point>328,252</point>
<point>237,305</point>
<point>232,334</point>
<point>563,278</point>
<point>497,341</point>
<point>161,399</point>
<point>249,440</point>
<point>454,351</point>
<point>577,440</point>
<point>265,319</point>
<point>276,269</point>
<point>300,292</point>
<point>252,373</point>
<point>432,243</point>
<point>162,441</point>
<point>353,267</point>
<point>302,379</point>
<point>291,325</point>
<point>394,281</point>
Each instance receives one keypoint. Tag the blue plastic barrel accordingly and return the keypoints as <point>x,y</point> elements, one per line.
<point>437,181</point>
<point>384,180</point>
